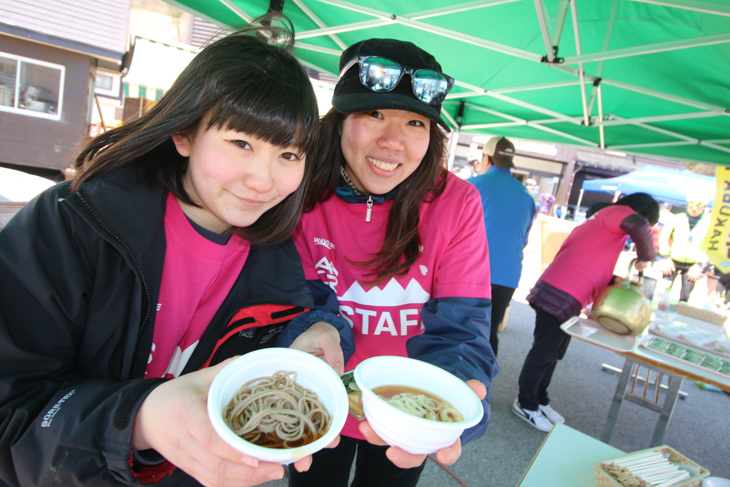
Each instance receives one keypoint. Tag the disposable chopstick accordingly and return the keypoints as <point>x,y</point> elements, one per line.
<point>671,482</point>
<point>657,479</point>
<point>637,456</point>
<point>646,463</point>
<point>652,467</point>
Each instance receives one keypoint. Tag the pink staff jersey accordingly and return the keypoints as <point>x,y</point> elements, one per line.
<point>584,265</point>
<point>196,278</point>
<point>454,262</point>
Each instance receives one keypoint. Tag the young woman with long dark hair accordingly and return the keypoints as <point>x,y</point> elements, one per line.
<point>169,253</point>
<point>397,241</point>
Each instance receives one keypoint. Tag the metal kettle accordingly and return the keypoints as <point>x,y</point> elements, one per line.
<point>623,308</point>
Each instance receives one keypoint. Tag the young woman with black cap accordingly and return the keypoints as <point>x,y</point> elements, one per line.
<point>398,240</point>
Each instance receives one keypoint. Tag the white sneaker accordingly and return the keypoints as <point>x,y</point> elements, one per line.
<point>552,415</point>
<point>534,418</point>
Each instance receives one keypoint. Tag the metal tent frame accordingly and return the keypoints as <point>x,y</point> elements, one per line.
<point>639,76</point>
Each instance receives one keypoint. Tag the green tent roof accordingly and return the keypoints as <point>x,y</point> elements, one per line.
<point>640,76</point>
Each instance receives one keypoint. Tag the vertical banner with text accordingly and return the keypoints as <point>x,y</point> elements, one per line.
<point>716,243</point>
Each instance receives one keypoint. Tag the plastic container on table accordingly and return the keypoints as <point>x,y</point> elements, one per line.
<point>662,307</point>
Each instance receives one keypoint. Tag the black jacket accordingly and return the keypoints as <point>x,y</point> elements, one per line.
<point>79,280</point>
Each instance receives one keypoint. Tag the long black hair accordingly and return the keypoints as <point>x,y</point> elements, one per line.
<point>402,240</point>
<point>248,81</point>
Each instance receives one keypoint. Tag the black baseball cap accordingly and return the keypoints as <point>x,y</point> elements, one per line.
<point>351,96</point>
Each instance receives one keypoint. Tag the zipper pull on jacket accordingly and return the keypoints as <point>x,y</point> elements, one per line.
<point>370,208</point>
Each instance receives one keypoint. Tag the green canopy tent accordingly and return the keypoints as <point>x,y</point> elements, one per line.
<point>649,77</point>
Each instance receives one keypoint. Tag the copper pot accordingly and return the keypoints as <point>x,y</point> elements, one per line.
<point>623,308</point>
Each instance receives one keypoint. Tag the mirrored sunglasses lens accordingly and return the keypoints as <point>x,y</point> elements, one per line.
<point>430,86</point>
<point>379,74</point>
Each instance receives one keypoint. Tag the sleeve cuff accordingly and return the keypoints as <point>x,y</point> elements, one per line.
<point>147,458</point>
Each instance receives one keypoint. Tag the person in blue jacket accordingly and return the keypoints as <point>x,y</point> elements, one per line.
<point>508,215</point>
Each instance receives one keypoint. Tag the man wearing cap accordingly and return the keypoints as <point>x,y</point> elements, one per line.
<point>680,244</point>
<point>508,214</point>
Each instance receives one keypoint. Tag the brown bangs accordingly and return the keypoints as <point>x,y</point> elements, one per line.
<point>282,112</point>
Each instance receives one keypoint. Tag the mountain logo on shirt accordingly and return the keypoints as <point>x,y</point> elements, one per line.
<point>390,311</point>
<point>324,242</point>
<point>179,360</point>
<point>393,294</point>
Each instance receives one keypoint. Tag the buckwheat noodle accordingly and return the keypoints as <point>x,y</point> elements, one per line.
<point>276,412</point>
<point>425,407</point>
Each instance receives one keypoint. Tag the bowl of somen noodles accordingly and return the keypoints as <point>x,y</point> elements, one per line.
<point>414,405</point>
<point>277,404</point>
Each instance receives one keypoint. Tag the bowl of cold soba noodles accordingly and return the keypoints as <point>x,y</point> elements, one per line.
<point>414,405</point>
<point>277,404</point>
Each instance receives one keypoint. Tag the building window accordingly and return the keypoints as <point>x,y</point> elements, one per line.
<point>30,87</point>
<point>104,81</point>
<point>8,75</point>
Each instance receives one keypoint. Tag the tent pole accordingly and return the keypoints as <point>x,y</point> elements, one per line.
<point>452,148</point>
<point>559,23</point>
<point>647,49</point>
<point>600,113</point>
<point>541,18</point>
<point>606,40</point>
<point>662,96</point>
<point>581,73</point>
<point>411,20</point>
<point>699,7</point>
<point>454,140</point>
<point>580,198</point>
<point>308,12</point>
<point>666,118</point>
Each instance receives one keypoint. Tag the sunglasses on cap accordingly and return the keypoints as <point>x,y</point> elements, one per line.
<point>382,75</point>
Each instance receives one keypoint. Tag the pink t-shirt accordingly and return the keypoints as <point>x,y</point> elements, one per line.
<point>196,278</point>
<point>584,265</point>
<point>454,262</point>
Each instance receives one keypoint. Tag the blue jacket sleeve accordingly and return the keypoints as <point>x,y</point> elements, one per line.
<point>456,338</point>
<point>327,309</point>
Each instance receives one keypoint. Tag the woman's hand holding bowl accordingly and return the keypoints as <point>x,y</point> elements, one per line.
<point>403,459</point>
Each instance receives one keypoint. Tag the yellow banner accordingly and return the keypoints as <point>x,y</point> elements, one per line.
<point>716,243</point>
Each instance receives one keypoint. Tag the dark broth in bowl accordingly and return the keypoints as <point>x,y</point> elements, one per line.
<point>276,412</point>
<point>272,440</point>
<point>419,403</point>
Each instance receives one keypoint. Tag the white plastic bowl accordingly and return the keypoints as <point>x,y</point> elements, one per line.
<point>312,373</point>
<point>398,428</point>
<point>715,482</point>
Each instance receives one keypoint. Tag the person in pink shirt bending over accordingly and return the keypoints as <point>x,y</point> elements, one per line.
<point>582,268</point>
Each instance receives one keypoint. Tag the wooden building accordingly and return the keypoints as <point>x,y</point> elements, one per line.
<point>51,52</point>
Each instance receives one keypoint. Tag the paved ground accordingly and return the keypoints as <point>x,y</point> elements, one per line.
<point>582,392</point>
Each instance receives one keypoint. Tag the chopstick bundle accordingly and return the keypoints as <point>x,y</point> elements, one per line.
<point>646,469</point>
